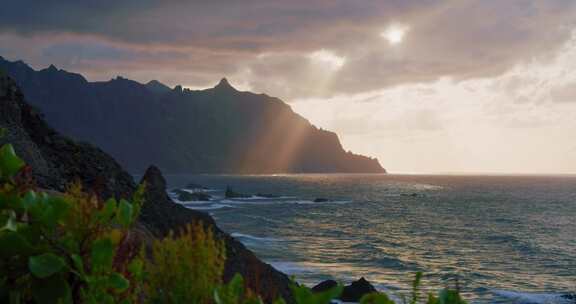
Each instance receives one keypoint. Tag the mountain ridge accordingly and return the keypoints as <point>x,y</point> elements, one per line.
<point>216,130</point>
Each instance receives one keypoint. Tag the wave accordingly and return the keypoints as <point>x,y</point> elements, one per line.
<point>254,238</point>
<point>257,197</point>
<point>427,187</point>
<point>246,201</point>
<point>294,268</point>
<point>536,298</point>
<point>206,206</point>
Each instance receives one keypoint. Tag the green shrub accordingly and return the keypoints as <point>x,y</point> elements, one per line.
<point>62,248</point>
<point>185,269</point>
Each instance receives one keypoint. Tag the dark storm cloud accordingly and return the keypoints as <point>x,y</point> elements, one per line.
<point>267,44</point>
<point>227,24</point>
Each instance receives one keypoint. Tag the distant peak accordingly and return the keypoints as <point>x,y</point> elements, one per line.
<point>224,85</point>
<point>154,82</point>
<point>157,86</point>
<point>52,68</point>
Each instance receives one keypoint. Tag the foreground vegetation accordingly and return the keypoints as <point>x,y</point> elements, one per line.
<point>75,248</point>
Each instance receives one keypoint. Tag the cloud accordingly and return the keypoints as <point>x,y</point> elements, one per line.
<point>566,93</point>
<point>264,44</point>
<point>513,122</point>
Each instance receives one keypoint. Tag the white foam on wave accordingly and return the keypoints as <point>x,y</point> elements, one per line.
<point>278,202</point>
<point>264,198</point>
<point>294,268</point>
<point>427,187</point>
<point>532,298</point>
<point>206,206</point>
<point>254,238</point>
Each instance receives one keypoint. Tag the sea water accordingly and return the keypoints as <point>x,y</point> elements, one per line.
<point>501,239</point>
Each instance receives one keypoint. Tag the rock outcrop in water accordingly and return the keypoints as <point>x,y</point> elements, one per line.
<point>351,293</point>
<point>218,130</point>
<point>57,161</point>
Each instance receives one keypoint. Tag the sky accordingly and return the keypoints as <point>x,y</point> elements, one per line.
<point>453,86</point>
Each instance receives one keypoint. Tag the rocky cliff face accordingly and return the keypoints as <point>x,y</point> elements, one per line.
<point>161,215</point>
<point>218,130</point>
<point>57,161</point>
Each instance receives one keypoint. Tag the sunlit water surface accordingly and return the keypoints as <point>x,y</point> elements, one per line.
<point>502,238</point>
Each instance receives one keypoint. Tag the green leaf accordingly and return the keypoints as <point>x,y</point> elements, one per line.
<point>231,292</point>
<point>10,163</point>
<point>51,290</point>
<point>78,264</point>
<point>29,200</point>
<point>45,265</point>
<point>136,268</point>
<point>15,297</point>
<point>9,221</point>
<point>118,282</point>
<point>13,243</point>
<point>102,254</point>
<point>55,210</point>
<point>376,298</point>
<point>108,210</point>
<point>125,213</point>
<point>69,242</point>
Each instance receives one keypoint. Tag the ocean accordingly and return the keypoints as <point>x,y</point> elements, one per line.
<point>501,239</point>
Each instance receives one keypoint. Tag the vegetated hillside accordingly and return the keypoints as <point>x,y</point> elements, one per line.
<point>217,130</point>
<point>56,162</point>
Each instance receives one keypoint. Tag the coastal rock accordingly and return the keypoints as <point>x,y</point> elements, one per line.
<point>351,293</point>
<point>324,286</point>
<point>233,194</point>
<point>57,161</point>
<point>570,297</point>
<point>185,196</point>
<point>355,291</point>
<point>161,215</point>
<point>321,200</point>
<point>195,186</point>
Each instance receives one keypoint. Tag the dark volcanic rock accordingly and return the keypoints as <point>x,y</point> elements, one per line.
<point>570,297</point>
<point>324,286</point>
<point>195,186</point>
<point>217,130</point>
<point>355,291</point>
<point>57,161</point>
<point>267,195</point>
<point>230,193</point>
<point>321,200</point>
<point>186,196</point>
<point>351,293</point>
<point>160,215</point>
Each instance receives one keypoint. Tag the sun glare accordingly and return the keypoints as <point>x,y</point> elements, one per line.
<point>394,34</point>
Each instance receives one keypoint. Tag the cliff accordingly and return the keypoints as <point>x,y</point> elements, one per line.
<point>217,130</point>
<point>57,161</point>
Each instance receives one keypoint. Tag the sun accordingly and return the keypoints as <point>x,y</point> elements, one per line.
<point>394,34</point>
